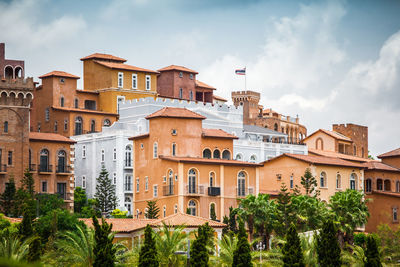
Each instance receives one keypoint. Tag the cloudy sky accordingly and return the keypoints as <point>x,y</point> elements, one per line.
<point>326,61</point>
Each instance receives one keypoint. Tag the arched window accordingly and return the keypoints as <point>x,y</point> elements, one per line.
<point>216,154</point>
<point>276,127</point>
<point>241,189</point>
<point>379,184</point>
<point>76,103</point>
<point>128,156</point>
<point>18,72</point>
<point>353,181</point>
<point>368,185</point>
<point>78,125</point>
<point>192,182</point>
<point>239,157</point>
<point>170,185</point>
<point>62,101</point>
<point>338,181</point>
<point>62,162</point>
<point>322,180</point>
<point>175,208</point>
<point>8,72</point>
<point>44,160</point>
<point>107,123</point>
<point>6,126</point>
<point>387,185</point>
<point>319,144</point>
<point>155,150</point>
<point>226,154</point>
<point>207,153</point>
<point>192,208</point>
<point>212,209</point>
<point>55,126</point>
<point>212,179</point>
<point>92,126</point>
<point>253,158</point>
<point>398,186</point>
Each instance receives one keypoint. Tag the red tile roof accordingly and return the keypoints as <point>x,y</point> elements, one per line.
<point>49,137</point>
<point>219,98</point>
<point>187,220</point>
<point>204,85</point>
<point>320,160</point>
<point>122,225</point>
<point>180,113</point>
<point>178,68</point>
<point>121,66</point>
<point>103,56</point>
<point>392,153</point>
<point>377,165</point>
<point>217,133</point>
<point>57,73</point>
<point>80,91</point>
<point>81,110</point>
<point>209,161</point>
<point>333,134</point>
<point>337,155</point>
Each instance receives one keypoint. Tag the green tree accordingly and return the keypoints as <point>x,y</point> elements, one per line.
<point>309,183</point>
<point>246,211</point>
<point>28,183</point>
<point>284,214</point>
<point>213,216</point>
<point>34,249</point>
<point>389,242</point>
<point>8,197</point>
<point>11,247</point>
<point>292,251</point>
<point>117,213</point>
<point>48,202</point>
<point>242,255</point>
<point>328,248</point>
<point>232,220</point>
<point>25,230</point>
<point>80,199</point>
<point>24,196</point>
<point>198,252</point>
<point>225,220</point>
<point>104,251</point>
<point>90,210</point>
<point>310,213</point>
<point>168,241</point>
<point>227,245</point>
<point>372,253</point>
<point>105,192</point>
<point>148,253</point>
<point>152,209</point>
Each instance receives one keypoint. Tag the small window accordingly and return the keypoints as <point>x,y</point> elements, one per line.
<point>44,186</point>
<point>103,155</point>
<point>253,158</point>
<point>353,181</point>
<point>155,150</point>
<point>164,211</point>
<point>137,185</point>
<point>291,181</point>
<point>6,126</point>
<point>322,182</point>
<point>115,154</point>
<point>114,178</point>
<point>238,157</point>
<point>55,127</point>
<point>39,127</point>
<point>148,82</point>
<point>120,80</point>
<point>175,208</point>
<point>173,131</point>
<point>164,179</point>
<point>83,151</point>
<point>62,101</point>
<point>180,74</point>
<point>338,181</point>
<point>191,95</point>
<point>65,125</point>
<point>279,177</point>
<point>176,177</point>
<point>191,76</point>
<point>76,103</point>
<point>395,218</point>
<point>180,93</point>
<point>216,154</point>
<point>173,149</point>
<point>146,183</point>
<point>83,182</point>
<point>62,80</point>
<point>10,158</point>
<point>368,185</point>
<point>141,145</point>
<point>155,190</point>
<point>107,123</point>
<point>134,81</point>
<point>47,114</point>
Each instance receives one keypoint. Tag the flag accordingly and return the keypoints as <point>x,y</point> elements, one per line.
<point>241,71</point>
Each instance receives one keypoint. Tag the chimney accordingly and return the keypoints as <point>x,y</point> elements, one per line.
<point>2,51</point>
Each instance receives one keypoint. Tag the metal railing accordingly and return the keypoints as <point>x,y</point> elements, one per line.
<point>45,168</point>
<point>194,190</point>
<point>128,187</point>
<point>214,191</point>
<point>63,169</point>
<point>244,191</point>
<point>168,190</point>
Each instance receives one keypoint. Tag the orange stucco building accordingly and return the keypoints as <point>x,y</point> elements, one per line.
<point>186,167</point>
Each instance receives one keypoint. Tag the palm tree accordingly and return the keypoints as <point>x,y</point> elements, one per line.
<point>309,250</point>
<point>246,209</point>
<point>11,247</point>
<point>227,245</point>
<point>353,256</point>
<point>168,241</point>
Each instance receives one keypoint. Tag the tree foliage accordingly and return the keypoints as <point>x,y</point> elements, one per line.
<point>8,197</point>
<point>328,248</point>
<point>309,183</point>
<point>372,253</point>
<point>152,209</point>
<point>213,216</point>
<point>198,252</point>
<point>25,229</point>
<point>168,241</point>
<point>232,220</point>
<point>35,249</point>
<point>292,251</point>
<point>242,255</point>
<point>148,253</point>
<point>104,251</point>
<point>284,214</point>
<point>80,199</point>
<point>105,192</point>
<point>48,203</point>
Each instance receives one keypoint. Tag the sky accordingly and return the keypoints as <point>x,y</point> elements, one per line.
<point>326,61</point>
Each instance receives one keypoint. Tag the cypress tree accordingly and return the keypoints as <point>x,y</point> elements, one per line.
<point>232,221</point>
<point>284,211</point>
<point>104,252</point>
<point>213,216</point>
<point>372,253</point>
<point>225,230</point>
<point>241,255</point>
<point>309,182</point>
<point>198,252</point>
<point>152,210</point>
<point>105,192</point>
<point>328,248</point>
<point>148,252</point>
<point>8,197</point>
<point>25,229</point>
<point>34,250</point>
<point>292,252</point>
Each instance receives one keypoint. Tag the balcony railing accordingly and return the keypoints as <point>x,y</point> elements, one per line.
<point>128,164</point>
<point>63,169</point>
<point>194,190</point>
<point>168,190</point>
<point>65,196</point>
<point>3,168</point>
<point>244,191</point>
<point>45,168</point>
<point>214,191</point>
<point>32,167</point>
<point>128,187</point>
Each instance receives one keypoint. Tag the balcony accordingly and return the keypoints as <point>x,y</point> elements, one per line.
<point>168,190</point>
<point>45,168</point>
<point>63,170</point>
<point>32,167</point>
<point>3,168</point>
<point>128,164</point>
<point>214,191</point>
<point>128,188</point>
<point>194,190</point>
<point>244,191</point>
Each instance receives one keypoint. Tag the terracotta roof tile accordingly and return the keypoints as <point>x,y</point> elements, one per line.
<point>320,160</point>
<point>392,194</point>
<point>392,153</point>
<point>334,134</point>
<point>377,165</point>
<point>187,220</point>
<point>209,161</point>
<point>13,220</point>
<point>121,66</point>
<point>181,113</point>
<point>57,73</point>
<point>219,98</point>
<point>337,155</point>
<point>122,225</point>
<point>217,133</point>
<point>84,111</point>
<point>178,68</point>
<point>103,56</point>
<point>80,91</point>
<point>49,137</point>
<point>204,85</point>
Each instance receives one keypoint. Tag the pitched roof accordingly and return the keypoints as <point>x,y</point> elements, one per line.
<point>217,133</point>
<point>49,137</point>
<point>219,98</point>
<point>333,134</point>
<point>178,68</point>
<point>180,113</point>
<point>122,225</point>
<point>392,153</point>
<point>320,160</point>
<point>377,165</point>
<point>337,155</point>
<point>103,56</point>
<point>81,110</point>
<point>57,73</point>
<point>122,66</point>
<point>204,85</point>
<point>209,161</point>
<point>140,136</point>
<point>187,220</point>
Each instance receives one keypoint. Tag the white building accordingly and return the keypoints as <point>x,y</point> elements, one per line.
<point>112,149</point>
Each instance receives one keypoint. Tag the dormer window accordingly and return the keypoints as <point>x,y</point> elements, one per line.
<point>180,74</point>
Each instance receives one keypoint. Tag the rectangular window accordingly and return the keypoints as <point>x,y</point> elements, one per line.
<point>47,114</point>
<point>173,149</point>
<point>103,155</point>
<point>83,152</point>
<point>55,126</point>
<point>155,150</point>
<point>134,81</point>
<point>395,217</point>
<point>137,185</point>
<point>120,99</point>
<point>65,125</point>
<point>180,93</point>
<point>84,182</point>
<point>115,154</point>
<point>10,158</point>
<point>115,178</point>
<point>120,80</point>
<point>148,82</point>
<point>146,183</point>
<point>155,190</point>
<point>44,186</point>
<point>291,181</point>
<point>191,95</point>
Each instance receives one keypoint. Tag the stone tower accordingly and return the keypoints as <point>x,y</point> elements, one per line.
<point>359,135</point>
<point>249,100</point>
